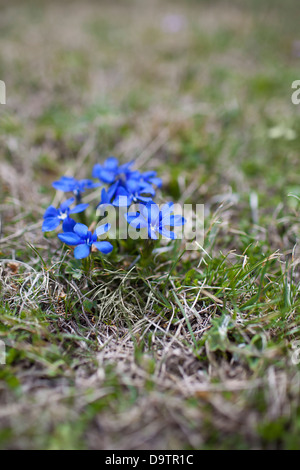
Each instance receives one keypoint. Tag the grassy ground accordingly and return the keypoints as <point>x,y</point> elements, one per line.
<point>197,352</point>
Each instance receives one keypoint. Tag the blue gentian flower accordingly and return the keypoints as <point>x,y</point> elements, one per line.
<point>155,220</point>
<point>83,239</point>
<point>133,191</point>
<point>107,196</point>
<point>53,217</point>
<point>148,177</point>
<point>68,183</point>
<point>127,185</point>
<point>110,171</point>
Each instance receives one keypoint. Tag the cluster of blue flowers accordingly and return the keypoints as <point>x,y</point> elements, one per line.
<point>124,186</point>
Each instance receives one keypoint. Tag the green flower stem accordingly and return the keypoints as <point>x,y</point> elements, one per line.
<point>82,218</point>
<point>146,253</point>
<point>88,264</point>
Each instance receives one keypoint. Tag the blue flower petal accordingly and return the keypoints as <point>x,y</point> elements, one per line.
<point>68,224</point>
<point>104,247</point>
<point>156,181</point>
<point>79,208</point>
<point>70,238</point>
<point>175,221</point>
<point>64,205</point>
<point>167,209</point>
<point>122,201</point>
<point>66,183</point>
<point>137,222</point>
<point>106,196</point>
<point>153,212</point>
<point>131,216</point>
<point>144,211</point>
<point>102,229</point>
<point>123,198</point>
<point>96,170</point>
<point>148,174</point>
<point>112,190</point>
<point>50,212</point>
<point>81,230</point>
<point>135,175</point>
<point>82,251</point>
<point>146,188</point>
<point>125,168</point>
<point>89,184</point>
<point>50,223</point>
<point>132,186</point>
<point>107,176</point>
<point>111,163</point>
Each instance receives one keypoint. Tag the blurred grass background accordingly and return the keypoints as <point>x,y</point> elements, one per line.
<point>216,75</point>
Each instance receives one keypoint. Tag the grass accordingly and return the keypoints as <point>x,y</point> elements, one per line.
<point>195,351</point>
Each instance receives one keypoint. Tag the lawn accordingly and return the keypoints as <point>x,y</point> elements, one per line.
<point>195,349</point>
